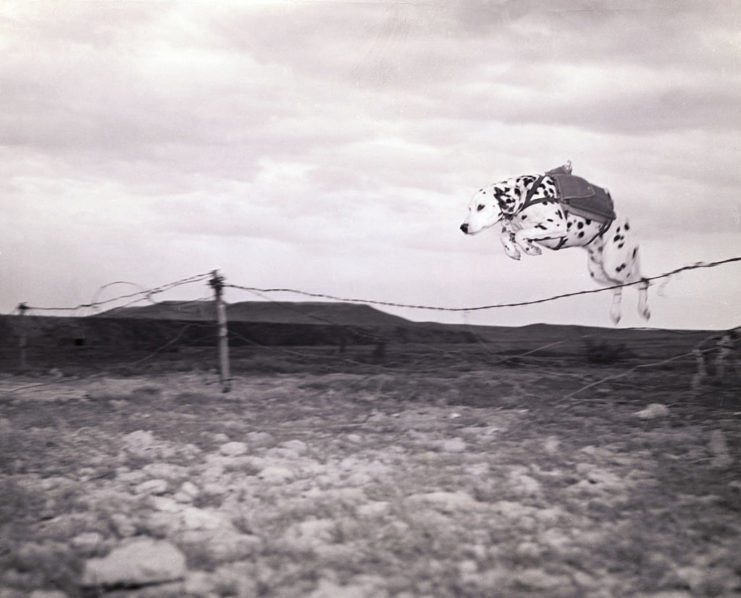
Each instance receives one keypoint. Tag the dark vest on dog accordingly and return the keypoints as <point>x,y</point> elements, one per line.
<point>583,199</point>
<point>577,196</point>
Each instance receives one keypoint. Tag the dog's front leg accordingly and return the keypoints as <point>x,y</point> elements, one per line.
<point>507,237</point>
<point>526,237</point>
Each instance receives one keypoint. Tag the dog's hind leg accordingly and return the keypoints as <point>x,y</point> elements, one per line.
<point>631,274</point>
<point>616,309</point>
<point>635,275</point>
<point>599,275</point>
<point>621,263</point>
<point>643,308</point>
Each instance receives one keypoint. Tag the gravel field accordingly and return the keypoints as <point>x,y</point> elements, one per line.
<point>488,482</point>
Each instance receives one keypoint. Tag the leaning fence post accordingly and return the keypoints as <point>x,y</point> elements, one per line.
<point>23,340</point>
<point>702,372</point>
<point>217,284</point>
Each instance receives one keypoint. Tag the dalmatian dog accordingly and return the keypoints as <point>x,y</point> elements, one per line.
<point>531,216</point>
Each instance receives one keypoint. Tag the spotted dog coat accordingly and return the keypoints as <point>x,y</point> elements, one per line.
<point>532,218</point>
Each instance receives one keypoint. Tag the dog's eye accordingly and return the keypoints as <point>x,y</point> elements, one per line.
<point>480,207</point>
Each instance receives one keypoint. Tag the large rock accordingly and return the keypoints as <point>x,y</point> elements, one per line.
<point>233,449</point>
<point>137,563</point>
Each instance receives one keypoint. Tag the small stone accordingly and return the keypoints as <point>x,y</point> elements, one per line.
<point>537,579</point>
<point>166,504</point>
<point>299,446</point>
<point>151,487</point>
<point>329,589</point>
<point>189,488</point>
<point>47,594</point>
<point>130,477</point>
<point>187,493</point>
<point>233,449</point>
<point>653,411</point>
<point>165,471</point>
<point>57,483</point>
<point>275,474</point>
<point>235,579</point>
<point>523,483</point>
<point>123,525</point>
<point>198,583</point>
<point>139,443</point>
<point>374,509</point>
<point>446,501</point>
<point>87,541</point>
<point>161,524</point>
<point>223,545</point>
<point>310,534</point>
<point>719,448</point>
<point>137,563</point>
<point>260,438</point>
<point>551,445</point>
<point>454,445</point>
<point>215,489</point>
<point>195,518</point>
<point>529,550</point>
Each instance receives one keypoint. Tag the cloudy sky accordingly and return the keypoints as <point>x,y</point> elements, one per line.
<point>332,146</point>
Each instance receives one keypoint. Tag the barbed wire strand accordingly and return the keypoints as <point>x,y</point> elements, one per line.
<point>135,362</point>
<point>644,365</point>
<point>484,307</point>
<point>181,304</point>
<point>370,335</point>
<point>148,293</point>
<point>142,290</point>
<point>171,341</point>
<point>367,333</point>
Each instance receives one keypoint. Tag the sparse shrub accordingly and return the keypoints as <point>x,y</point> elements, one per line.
<point>603,352</point>
<point>379,352</point>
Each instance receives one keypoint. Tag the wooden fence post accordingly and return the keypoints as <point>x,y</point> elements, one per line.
<point>23,340</point>
<point>217,284</point>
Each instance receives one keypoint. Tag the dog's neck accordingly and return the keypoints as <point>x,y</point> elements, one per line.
<point>524,184</point>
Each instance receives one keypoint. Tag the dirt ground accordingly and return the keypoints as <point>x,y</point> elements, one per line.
<point>522,478</point>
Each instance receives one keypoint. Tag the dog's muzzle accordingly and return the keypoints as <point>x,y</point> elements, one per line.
<point>464,228</point>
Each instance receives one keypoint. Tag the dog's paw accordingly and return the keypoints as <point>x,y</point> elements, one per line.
<point>531,249</point>
<point>512,253</point>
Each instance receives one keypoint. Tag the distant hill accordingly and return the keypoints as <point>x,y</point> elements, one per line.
<point>179,324</point>
<point>276,312</point>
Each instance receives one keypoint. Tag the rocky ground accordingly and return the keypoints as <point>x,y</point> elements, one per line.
<point>393,484</point>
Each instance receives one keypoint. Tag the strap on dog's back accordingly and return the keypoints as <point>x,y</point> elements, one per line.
<point>530,192</point>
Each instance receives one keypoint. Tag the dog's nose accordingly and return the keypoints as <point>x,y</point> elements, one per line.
<point>464,228</point>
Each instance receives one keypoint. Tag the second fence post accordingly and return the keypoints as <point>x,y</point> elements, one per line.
<point>23,338</point>
<point>217,284</point>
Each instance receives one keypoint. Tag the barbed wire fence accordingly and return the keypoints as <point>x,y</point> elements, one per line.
<point>217,282</point>
<point>694,266</point>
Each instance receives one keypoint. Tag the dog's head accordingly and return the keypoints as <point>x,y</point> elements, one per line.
<point>489,204</point>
